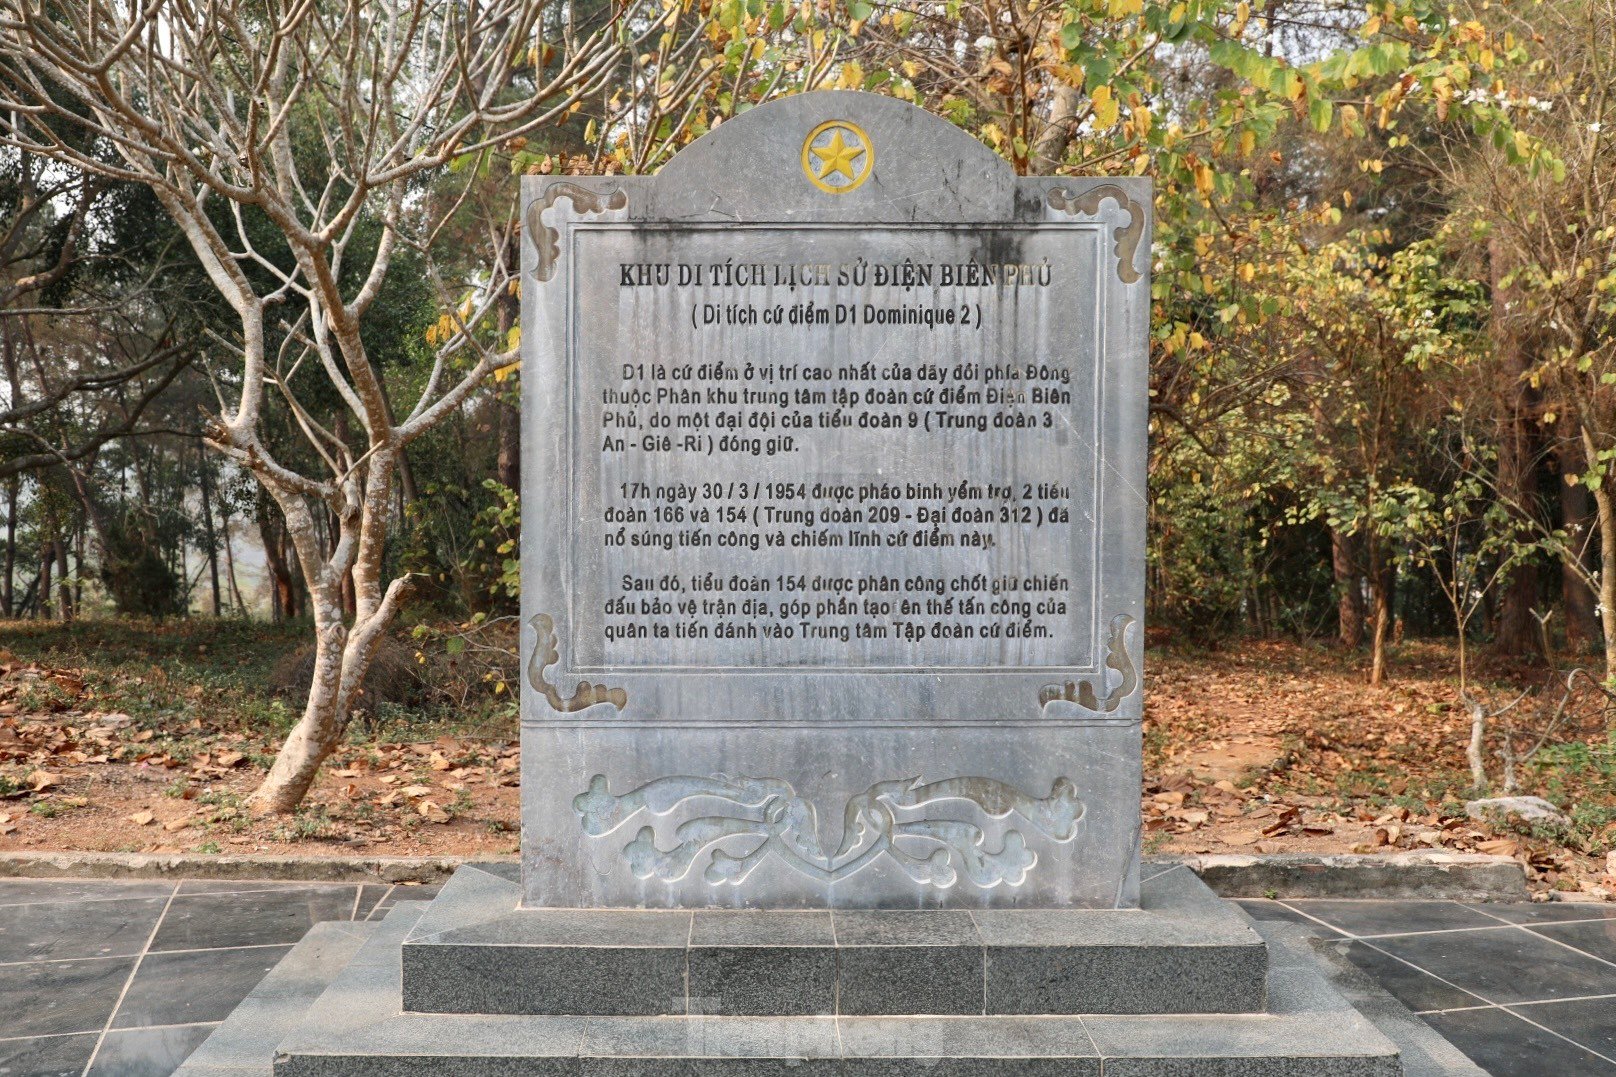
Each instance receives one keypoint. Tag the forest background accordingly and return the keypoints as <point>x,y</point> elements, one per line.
<point>258,307</point>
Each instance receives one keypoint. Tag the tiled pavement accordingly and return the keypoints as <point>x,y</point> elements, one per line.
<point>126,978</point>
<point>1524,990</point>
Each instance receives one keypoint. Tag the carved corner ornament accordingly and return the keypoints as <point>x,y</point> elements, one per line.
<point>546,240</point>
<point>1127,237</point>
<point>546,654</point>
<point>1117,658</point>
<point>761,818</point>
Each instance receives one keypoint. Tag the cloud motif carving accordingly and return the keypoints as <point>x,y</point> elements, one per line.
<point>932,830</point>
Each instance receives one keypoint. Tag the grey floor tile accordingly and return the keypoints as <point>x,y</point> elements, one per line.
<point>1539,912</point>
<point>57,997</point>
<point>19,891</point>
<point>370,895</point>
<point>255,886</point>
<point>1597,937</point>
<point>1265,910</point>
<point>77,929</point>
<point>47,1056</point>
<point>1392,917</point>
<point>1591,1022</point>
<point>197,985</point>
<point>147,1052</point>
<point>1506,1046</point>
<point>207,921</point>
<point>1509,965</point>
<point>1413,988</point>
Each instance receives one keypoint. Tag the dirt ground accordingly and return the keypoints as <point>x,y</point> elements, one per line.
<point>1267,748</point>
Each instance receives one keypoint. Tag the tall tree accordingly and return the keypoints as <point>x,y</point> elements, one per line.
<point>300,148</point>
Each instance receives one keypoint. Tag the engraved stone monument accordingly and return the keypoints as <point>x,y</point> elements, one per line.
<point>834,566</point>
<point>833,578</point>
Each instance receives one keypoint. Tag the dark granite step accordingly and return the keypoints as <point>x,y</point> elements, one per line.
<point>1184,951</point>
<point>356,1029</point>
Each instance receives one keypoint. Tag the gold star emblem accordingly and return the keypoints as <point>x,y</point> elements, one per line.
<point>837,156</point>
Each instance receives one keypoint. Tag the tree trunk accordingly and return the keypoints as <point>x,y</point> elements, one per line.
<point>7,594</point>
<point>1581,613</point>
<point>78,562</point>
<point>342,655</point>
<point>508,468</point>
<point>1344,549</point>
<point>1605,504</point>
<point>208,534</point>
<point>1380,587</point>
<point>283,589</point>
<point>230,562</point>
<point>320,729</point>
<point>64,586</point>
<point>47,558</point>
<point>1517,634</point>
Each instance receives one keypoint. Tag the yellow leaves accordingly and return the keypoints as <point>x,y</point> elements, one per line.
<point>1104,104</point>
<point>1203,246</point>
<point>1372,27</point>
<point>851,76</point>
<point>910,68</point>
<point>1142,119</point>
<point>1123,8</point>
<point>1248,142</point>
<point>1204,178</point>
<point>1242,15</point>
<point>1372,164</point>
<point>1247,271</point>
<point>513,339</point>
<point>440,331</point>
<point>1174,343</point>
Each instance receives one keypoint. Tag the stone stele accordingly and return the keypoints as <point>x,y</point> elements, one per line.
<point>833,544</point>
<point>832,576</point>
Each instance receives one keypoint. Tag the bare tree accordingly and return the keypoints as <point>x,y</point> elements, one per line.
<point>334,122</point>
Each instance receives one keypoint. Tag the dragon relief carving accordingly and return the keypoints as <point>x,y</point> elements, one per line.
<point>1117,658</point>
<point>1127,237</point>
<point>546,240</point>
<point>546,654</point>
<point>890,819</point>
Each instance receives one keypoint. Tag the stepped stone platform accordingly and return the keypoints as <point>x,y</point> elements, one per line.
<point>1184,951</point>
<point>331,1009</point>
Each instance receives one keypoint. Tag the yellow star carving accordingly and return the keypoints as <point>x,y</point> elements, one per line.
<point>837,157</point>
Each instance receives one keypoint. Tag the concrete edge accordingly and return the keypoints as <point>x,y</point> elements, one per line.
<point>1427,875</point>
<point>1422,875</point>
<point>333,869</point>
